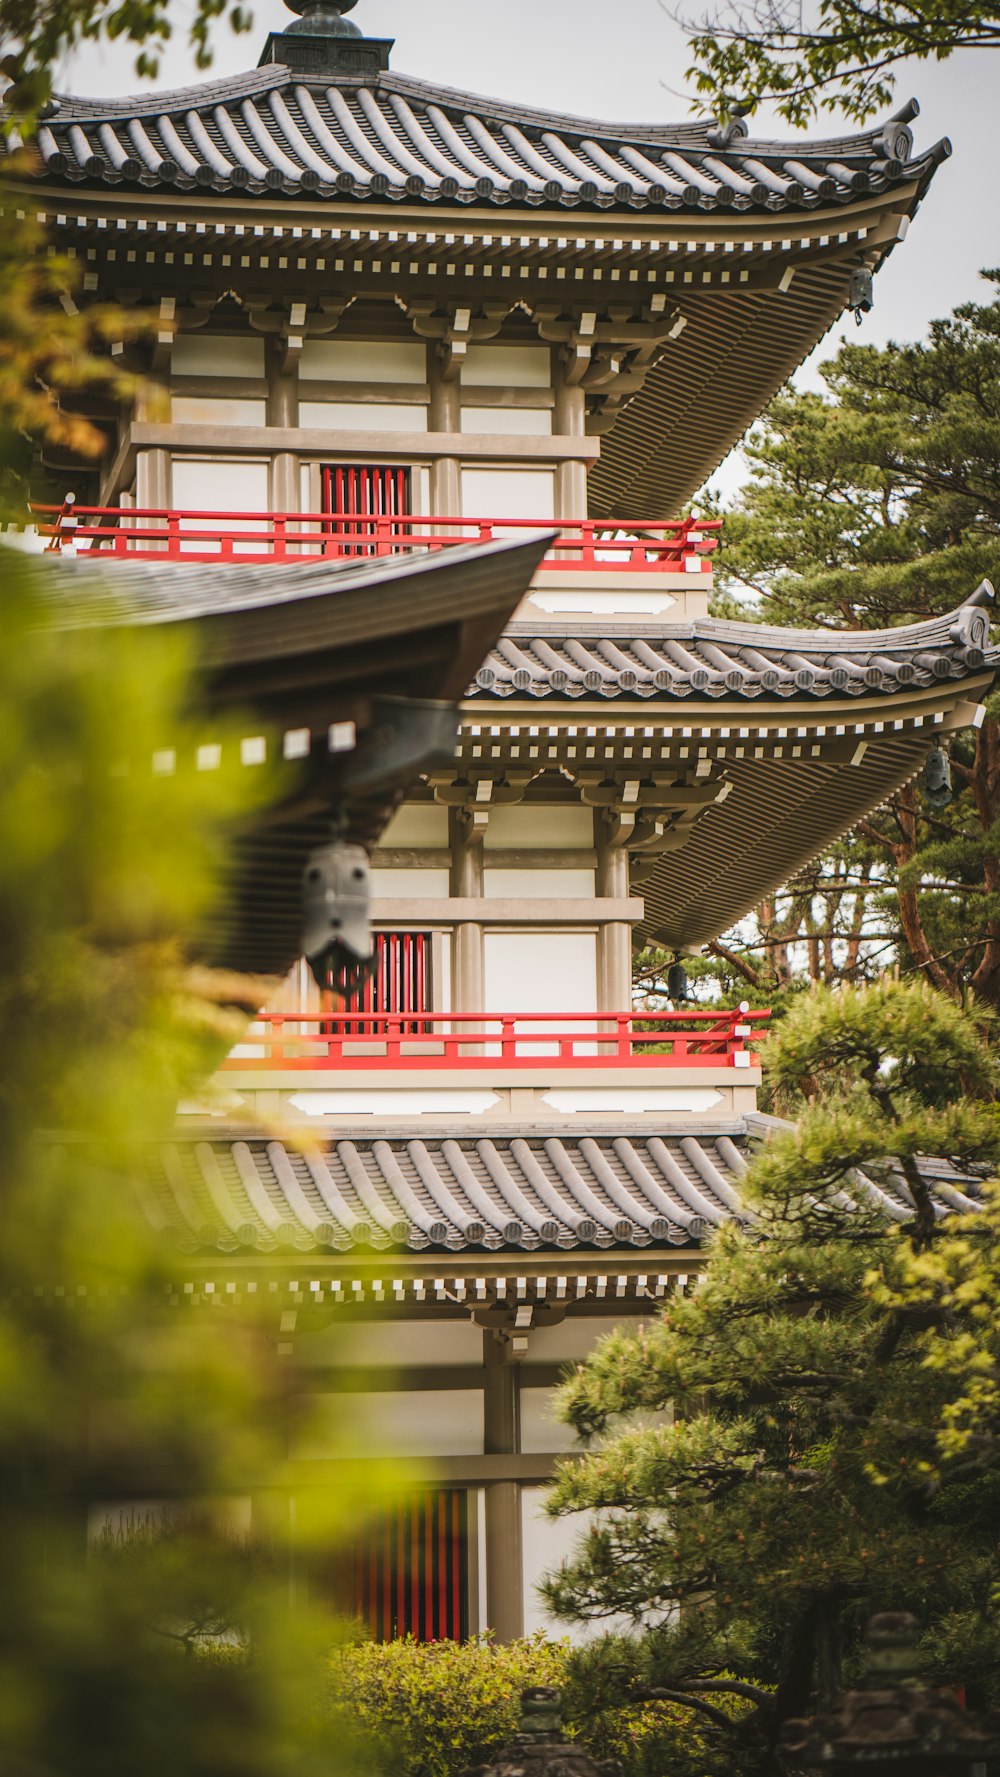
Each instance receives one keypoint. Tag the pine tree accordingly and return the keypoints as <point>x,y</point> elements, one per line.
<point>873,505</point>
<point>782,1453</point>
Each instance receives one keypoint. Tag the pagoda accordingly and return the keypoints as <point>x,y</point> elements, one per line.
<point>397,321</point>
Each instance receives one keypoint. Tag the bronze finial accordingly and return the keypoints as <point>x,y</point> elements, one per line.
<point>322,18</point>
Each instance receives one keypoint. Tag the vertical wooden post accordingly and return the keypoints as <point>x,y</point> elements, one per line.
<point>467,959</point>
<point>283,410</point>
<point>614,938</point>
<point>569,421</point>
<point>504,1556</point>
<point>444,415</point>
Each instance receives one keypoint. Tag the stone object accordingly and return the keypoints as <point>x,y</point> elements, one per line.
<point>895,1723</point>
<point>539,1749</point>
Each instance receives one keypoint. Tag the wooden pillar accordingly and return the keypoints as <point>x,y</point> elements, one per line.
<point>614,938</point>
<point>570,421</point>
<point>444,415</point>
<point>467,955</point>
<point>152,478</point>
<point>283,410</point>
<point>504,1556</point>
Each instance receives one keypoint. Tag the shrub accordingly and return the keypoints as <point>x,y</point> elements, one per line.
<point>433,1709</point>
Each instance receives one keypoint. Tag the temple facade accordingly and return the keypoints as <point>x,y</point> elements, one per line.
<point>400,323</point>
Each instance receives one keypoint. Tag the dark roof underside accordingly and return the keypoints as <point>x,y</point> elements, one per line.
<point>301,646</point>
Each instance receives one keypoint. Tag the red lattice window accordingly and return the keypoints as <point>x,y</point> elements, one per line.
<point>411,1570</point>
<point>371,503</point>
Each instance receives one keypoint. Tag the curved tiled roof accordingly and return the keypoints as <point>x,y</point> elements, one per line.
<point>479,1190</point>
<point>716,658</point>
<point>274,130</point>
<point>487,1191</point>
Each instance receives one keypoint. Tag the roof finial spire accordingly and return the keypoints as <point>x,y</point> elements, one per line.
<point>322,18</point>
<point>321,42</point>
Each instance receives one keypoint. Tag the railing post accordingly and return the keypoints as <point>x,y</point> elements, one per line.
<point>173,533</point>
<point>508,1040</point>
<point>394,1038</point>
<point>279,537</point>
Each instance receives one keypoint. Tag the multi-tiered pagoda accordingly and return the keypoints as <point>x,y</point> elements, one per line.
<point>394,320</point>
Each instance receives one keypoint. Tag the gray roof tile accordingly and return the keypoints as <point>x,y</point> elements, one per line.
<point>273,130</point>
<point>482,1190</point>
<point>719,659</point>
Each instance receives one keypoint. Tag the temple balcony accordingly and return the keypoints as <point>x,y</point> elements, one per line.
<point>535,1067</point>
<point>644,568</point>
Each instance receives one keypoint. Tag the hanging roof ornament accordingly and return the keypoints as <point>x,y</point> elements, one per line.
<point>323,42</point>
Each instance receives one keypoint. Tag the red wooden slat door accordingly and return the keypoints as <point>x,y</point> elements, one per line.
<point>362,495</point>
<point>411,1570</point>
<point>399,982</point>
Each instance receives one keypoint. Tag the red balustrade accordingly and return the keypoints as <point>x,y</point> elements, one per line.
<point>157,533</point>
<point>442,1041</point>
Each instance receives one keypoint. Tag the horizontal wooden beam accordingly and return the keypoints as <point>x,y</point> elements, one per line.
<point>330,442</point>
<point>526,911</point>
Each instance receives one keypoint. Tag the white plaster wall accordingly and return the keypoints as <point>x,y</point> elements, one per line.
<point>218,410</point>
<point>216,354</point>
<point>409,882</point>
<point>540,828</point>
<point>396,1423</point>
<point>384,1344</point>
<point>508,493</point>
<point>546,1543</point>
<point>569,1340</point>
<point>541,972</point>
<point>418,824</point>
<point>507,366</point>
<point>364,416</point>
<point>541,1431</point>
<point>217,484</point>
<point>530,884</point>
<point>364,361</point>
<point>525,422</point>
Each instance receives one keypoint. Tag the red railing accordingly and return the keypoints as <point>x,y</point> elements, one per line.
<point>682,545</point>
<point>355,1041</point>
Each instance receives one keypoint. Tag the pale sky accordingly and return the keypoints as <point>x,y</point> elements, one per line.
<point>624,60</point>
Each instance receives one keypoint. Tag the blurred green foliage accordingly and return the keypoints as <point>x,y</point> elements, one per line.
<point>111,1388</point>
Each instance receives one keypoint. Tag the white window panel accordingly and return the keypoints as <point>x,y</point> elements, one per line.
<point>513,885</point>
<point>508,367</point>
<point>541,972</point>
<point>397,883</point>
<point>217,410</point>
<point>216,354</point>
<point>363,416</point>
<point>364,361</point>
<point>397,1423</point>
<point>508,493</point>
<point>539,828</point>
<point>418,824</point>
<point>221,484</point>
<point>527,422</point>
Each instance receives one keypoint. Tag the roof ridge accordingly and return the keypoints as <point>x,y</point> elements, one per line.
<point>692,135</point>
